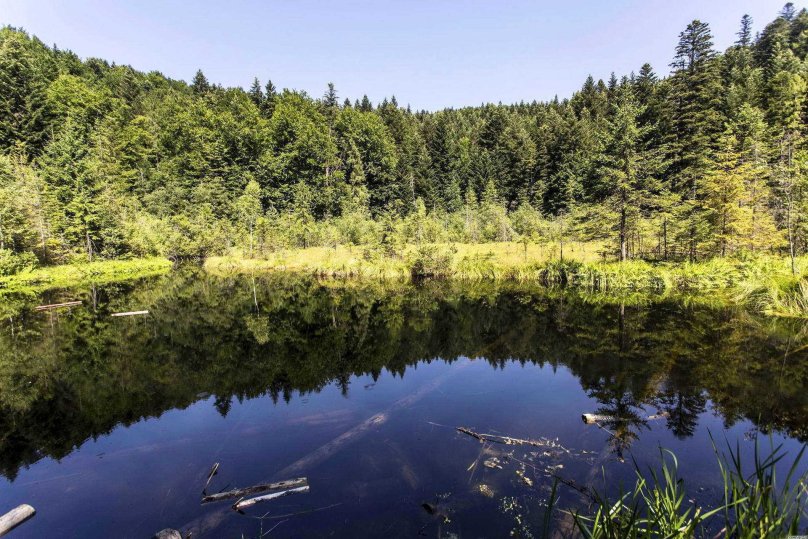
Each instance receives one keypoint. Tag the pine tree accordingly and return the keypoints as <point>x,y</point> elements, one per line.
<point>365,105</point>
<point>331,104</point>
<point>270,96</point>
<point>24,117</point>
<point>727,203</point>
<point>787,93</point>
<point>695,121</point>
<point>745,33</point>
<point>75,210</point>
<point>330,99</point>
<point>256,93</point>
<point>200,84</point>
<point>742,78</point>
<point>624,185</point>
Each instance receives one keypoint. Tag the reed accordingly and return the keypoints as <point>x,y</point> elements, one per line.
<point>755,504</point>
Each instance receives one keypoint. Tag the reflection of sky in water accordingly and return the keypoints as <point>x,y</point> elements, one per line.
<point>204,336</point>
<point>148,476</point>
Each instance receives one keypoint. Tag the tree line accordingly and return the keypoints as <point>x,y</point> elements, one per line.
<point>102,160</point>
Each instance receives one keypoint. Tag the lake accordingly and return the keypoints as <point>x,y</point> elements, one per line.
<point>109,426</point>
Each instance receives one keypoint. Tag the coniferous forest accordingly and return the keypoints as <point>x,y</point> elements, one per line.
<point>707,157</point>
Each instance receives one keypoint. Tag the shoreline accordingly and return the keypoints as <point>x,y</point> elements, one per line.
<point>763,284</point>
<point>70,275</point>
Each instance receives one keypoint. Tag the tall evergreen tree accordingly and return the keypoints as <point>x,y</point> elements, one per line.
<point>694,107</point>
<point>200,84</point>
<point>256,93</point>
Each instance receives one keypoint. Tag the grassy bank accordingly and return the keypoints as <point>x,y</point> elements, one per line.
<point>104,271</point>
<point>765,283</point>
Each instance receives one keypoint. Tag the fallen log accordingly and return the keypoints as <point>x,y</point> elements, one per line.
<point>243,504</point>
<point>597,418</point>
<point>266,487</point>
<point>57,305</point>
<point>167,533</point>
<point>600,418</point>
<point>130,313</point>
<point>508,440</point>
<point>213,471</point>
<point>15,517</point>
<point>212,519</point>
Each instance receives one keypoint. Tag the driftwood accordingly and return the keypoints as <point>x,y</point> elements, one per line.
<point>213,519</point>
<point>507,440</point>
<point>243,504</point>
<point>242,492</point>
<point>167,533</point>
<point>130,313</point>
<point>213,470</point>
<point>600,418</point>
<point>57,306</point>
<point>15,517</point>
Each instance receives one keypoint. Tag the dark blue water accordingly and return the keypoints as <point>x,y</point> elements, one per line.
<point>110,426</point>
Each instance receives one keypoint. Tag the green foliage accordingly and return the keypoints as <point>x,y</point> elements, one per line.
<point>754,504</point>
<point>100,160</point>
<point>431,261</point>
<point>11,263</point>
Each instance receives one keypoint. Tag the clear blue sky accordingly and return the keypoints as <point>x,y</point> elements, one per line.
<point>429,53</point>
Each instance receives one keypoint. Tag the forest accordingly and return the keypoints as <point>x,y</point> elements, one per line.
<point>704,158</point>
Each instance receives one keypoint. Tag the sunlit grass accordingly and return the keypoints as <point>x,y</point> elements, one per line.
<point>764,283</point>
<point>69,275</point>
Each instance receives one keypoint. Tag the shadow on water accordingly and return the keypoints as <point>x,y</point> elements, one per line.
<point>71,376</point>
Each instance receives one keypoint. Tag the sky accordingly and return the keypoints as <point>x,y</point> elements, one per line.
<point>430,54</point>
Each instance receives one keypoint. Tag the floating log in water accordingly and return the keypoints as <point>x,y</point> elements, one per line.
<point>213,470</point>
<point>15,517</point>
<point>167,533</point>
<point>213,519</point>
<point>600,418</point>
<point>130,313</point>
<point>243,504</point>
<point>597,418</point>
<point>507,440</point>
<point>57,306</point>
<point>242,492</point>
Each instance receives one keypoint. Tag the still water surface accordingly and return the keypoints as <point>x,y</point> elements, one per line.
<point>109,426</point>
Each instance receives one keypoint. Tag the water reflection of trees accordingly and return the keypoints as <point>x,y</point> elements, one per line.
<point>69,376</point>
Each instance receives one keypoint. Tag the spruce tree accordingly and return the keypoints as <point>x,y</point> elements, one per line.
<point>695,120</point>
<point>200,84</point>
<point>270,96</point>
<point>24,117</point>
<point>623,181</point>
<point>256,93</point>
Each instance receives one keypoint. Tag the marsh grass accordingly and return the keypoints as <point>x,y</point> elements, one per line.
<point>70,275</point>
<point>764,283</point>
<point>755,504</point>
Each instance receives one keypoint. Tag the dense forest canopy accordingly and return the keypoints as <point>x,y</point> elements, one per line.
<point>101,160</point>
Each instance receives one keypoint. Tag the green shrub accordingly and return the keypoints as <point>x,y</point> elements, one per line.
<point>11,263</point>
<point>431,261</point>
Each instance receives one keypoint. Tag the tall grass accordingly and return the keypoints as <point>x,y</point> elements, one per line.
<point>755,503</point>
<point>65,276</point>
<point>765,283</point>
